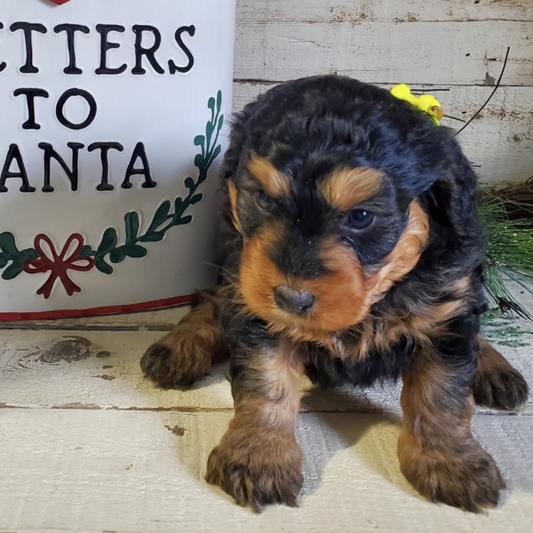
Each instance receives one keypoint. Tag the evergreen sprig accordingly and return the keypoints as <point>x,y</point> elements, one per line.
<point>509,254</point>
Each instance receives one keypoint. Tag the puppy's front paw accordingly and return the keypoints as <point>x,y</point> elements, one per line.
<point>504,389</point>
<point>175,364</point>
<point>255,470</point>
<point>468,479</point>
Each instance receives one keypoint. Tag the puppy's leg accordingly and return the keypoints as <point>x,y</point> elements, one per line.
<point>258,460</point>
<point>438,453</point>
<point>496,383</point>
<point>185,354</point>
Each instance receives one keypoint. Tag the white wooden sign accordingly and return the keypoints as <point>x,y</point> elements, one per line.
<point>113,123</point>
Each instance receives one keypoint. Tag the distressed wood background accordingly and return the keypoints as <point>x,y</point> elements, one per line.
<point>453,48</point>
<point>88,445</point>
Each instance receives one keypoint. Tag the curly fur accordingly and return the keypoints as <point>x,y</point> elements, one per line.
<point>401,296</point>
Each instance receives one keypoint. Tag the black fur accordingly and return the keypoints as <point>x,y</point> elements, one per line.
<point>309,127</point>
<point>422,325</point>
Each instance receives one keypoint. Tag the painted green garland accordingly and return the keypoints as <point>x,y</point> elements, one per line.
<point>14,261</point>
<point>163,218</point>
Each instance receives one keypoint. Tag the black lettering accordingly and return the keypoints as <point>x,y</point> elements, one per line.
<point>28,28</point>
<point>14,154</point>
<point>139,153</point>
<point>105,46</point>
<point>70,30</point>
<point>64,99</point>
<point>72,174</point>
<point>30,95</point>
<point>140,51</point>
<point>105,147</point>
<point>191,30</point>
<point>3,64</point>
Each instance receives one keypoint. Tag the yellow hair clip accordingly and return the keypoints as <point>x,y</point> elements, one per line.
<point>426,103</point>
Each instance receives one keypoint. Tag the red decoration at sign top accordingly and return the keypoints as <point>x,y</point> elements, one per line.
<point>59,2</point>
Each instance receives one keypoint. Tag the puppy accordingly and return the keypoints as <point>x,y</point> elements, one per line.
<point>353,254</point>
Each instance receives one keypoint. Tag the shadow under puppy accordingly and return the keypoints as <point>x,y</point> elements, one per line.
<point>352,253</point>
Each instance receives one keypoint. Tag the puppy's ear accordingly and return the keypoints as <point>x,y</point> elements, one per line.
<point>456,194</point>
<point>443,177</point>
<point>452,200</point>
<point>238,139</point>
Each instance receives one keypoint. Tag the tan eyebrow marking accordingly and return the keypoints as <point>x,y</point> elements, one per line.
<point>233,202</point>
<point>274,182</point>
<point>346,187</point>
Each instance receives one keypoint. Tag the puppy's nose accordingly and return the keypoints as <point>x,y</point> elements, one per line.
<point>293,301</point>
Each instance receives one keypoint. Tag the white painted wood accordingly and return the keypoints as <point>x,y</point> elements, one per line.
<point>30,377</point>
<point>499,142</point>
<point>357,12</point>
<point>125,472</point>
<point>381,52</point>
<point>448,43</point>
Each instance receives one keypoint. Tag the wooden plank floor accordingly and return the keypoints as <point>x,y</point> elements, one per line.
<point>85,444</point>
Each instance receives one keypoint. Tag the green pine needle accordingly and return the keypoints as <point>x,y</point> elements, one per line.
<point>509,254</point>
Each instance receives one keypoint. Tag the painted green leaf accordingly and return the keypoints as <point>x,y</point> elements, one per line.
<point>219,99</point>
<point>210,128</point>
<point>217,151</point>
<point>211,103</point>
<point>178,206</point>
<point>184,220</point>
<point>102,266</point>
<point>7,243</point>
<point>132,226</point>
<point>199,161</point>
<point>152,237</point>
<point>109,241</point>
<point>29,253</point>
<point>160,215</point>
<point>117,255</point>
<point>220,122</point>
<point>135,251</point>
<point>4,260</point>
<point>196,198</point>
<point>199,140</point>
<point>189,183</point>
<point>12,271</point>
<point>86,251</point>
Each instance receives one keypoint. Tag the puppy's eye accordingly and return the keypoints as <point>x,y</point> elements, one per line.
<point>360,219</point>
<point>264,201</point>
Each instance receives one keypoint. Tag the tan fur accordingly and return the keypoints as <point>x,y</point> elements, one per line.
<point>496,383</point>
<point>278,374</point>
<point>347,187</point>
<point>343,298</point>
<point>232,192</point>
<point>490,360</point>
<point>437,451</point>
<point>406,253</point>
<point>186,353</point>
<point>259,454</point>
<point>274,182</point>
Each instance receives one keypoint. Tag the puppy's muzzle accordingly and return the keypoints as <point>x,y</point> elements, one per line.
<point>293,301</point>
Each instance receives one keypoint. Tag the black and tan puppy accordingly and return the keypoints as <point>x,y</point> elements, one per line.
<point>353,253</point>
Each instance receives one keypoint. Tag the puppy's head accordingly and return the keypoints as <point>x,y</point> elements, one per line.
<point>328,207</point>
<point>318,252</point>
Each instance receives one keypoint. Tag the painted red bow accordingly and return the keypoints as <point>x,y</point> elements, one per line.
<point>58,265</point>
<point>59,2</point>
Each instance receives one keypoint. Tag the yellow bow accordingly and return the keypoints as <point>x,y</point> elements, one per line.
<point>426,103</point>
